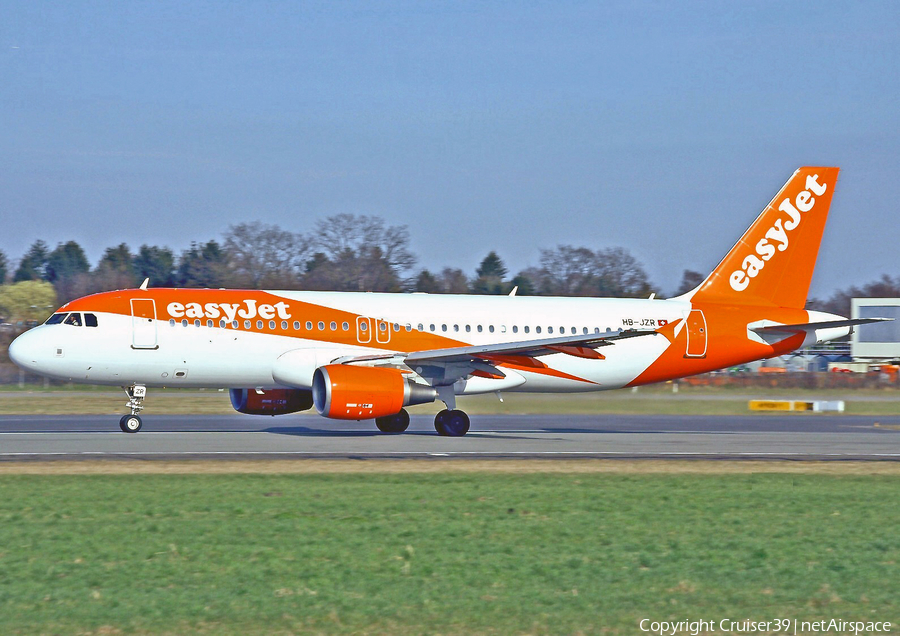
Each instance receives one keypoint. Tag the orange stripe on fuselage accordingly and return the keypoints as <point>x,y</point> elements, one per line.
<point>119,302</point>
<point>727,342</point>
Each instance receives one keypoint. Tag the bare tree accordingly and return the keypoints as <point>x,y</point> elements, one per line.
<point>689,280</point>
<point>359,253</point>
<point>454,281</point>
<point>261,255</point>
<point>840,301</point>
<point>580,271</point>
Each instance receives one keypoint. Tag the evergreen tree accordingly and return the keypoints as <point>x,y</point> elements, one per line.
<point>66,262</point>
<point>34,264</point>
<point>426,282</point>
<point>155,263</point>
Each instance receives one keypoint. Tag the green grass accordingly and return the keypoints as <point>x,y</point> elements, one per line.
<point>657,399</point>
<point>453,553</point>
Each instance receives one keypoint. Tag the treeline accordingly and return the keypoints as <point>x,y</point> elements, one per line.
<point>342,253</point>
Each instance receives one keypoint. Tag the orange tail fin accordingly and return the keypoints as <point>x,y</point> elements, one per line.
<point>773,262</point>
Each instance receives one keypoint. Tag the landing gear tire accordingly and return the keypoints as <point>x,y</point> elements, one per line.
<point>396,423</point>
<point>451,423</point>
<point>130,423</point>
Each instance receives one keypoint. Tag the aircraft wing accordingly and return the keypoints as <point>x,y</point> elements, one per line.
<point>580,346</point>
<point>812,326</point>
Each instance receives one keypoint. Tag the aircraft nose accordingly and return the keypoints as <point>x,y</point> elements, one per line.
<point>25,350</point>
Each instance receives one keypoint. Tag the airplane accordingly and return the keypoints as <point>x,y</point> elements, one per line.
<point>357,356</point>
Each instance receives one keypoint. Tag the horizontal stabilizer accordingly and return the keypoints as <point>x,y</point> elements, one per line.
<point>812,326</point>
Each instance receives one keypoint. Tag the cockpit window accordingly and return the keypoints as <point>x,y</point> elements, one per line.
<point>90,320</point>
<point>73,319</point>
<point>55,319</point>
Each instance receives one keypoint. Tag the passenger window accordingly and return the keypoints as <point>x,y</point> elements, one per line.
<point>296,325</point>
<point>431,327</point>
<point>74,320</point>
<point>284,324</point>
<point>272,325</point>
<point>480,329</point>
<point>455,327</point>
<point>345,326</point>
<point>171,322</point>
<point>468,328</point>
<point>408,327</point>
<point>222,323</point>
<point>527,329</point>
<point>584,330</point>
<point>549,329</point>
<point>491,328</point>
<point>537,330</point>
<point>574,330</point>
<point>421,327</point>
<point>196,322</point>
<point>396,326</point>
<point>502,328</point>
<point>55,319</point>
<point>234,323</point>
<point>363,326</point>
<point>382,326</point>
<point>259,324</point>
<point>443,327</point>
<point>333,326</point>
<point>209,323</point>
<point>309,326</point>
<point>90,320</point>
<point>184,322</point>
<point>515,329</point>
<point>321,326</point>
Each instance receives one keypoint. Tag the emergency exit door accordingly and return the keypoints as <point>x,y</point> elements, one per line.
<point>696,335</point>
<point>143,323</point>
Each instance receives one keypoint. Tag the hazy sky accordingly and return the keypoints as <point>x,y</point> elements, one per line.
<point>660,127</point>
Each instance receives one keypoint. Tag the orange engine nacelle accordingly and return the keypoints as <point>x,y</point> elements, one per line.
<point>356,393</point>
<point>270,402</point>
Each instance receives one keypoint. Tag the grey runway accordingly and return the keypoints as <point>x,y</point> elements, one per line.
<point>492,436</point>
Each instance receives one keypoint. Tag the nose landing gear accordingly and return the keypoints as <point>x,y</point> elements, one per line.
<point>136,394</point>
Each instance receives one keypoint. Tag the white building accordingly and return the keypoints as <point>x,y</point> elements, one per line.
<point>876,342</point>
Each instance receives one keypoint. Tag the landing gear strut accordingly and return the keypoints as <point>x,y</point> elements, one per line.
<point>136,394</point>
<point>396,423</point>
<point>451,422</point>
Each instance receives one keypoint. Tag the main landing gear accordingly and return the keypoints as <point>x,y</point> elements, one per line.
<point>136,394</point>
<point>451,423</point>
<point>396,423</point>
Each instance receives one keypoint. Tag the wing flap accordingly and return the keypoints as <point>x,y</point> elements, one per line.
<point>570,345</point>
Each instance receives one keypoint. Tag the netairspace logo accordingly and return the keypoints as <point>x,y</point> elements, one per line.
<point>782,625</point>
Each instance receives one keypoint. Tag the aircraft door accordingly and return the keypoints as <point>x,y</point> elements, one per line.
<point>143,323</point>
<point>383,331</point>
<point>363,329</point>
<point>696,335</point>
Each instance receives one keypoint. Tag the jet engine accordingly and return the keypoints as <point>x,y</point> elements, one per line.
<point>271,402</point>
<point>356,393</point>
